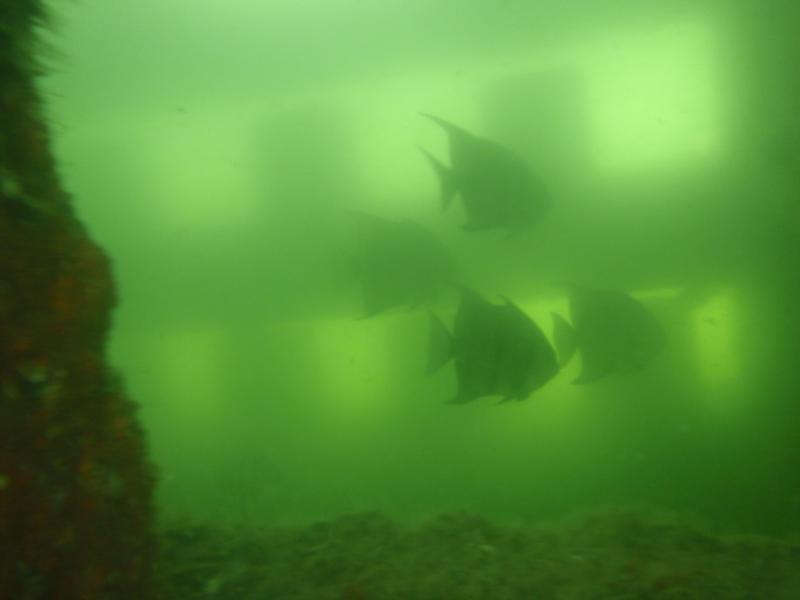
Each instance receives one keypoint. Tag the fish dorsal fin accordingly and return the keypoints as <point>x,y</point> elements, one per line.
<point>470,296</point>
<point>564,338</point>
<point>449,127</point>
<point>440,344</point>
<point>447,180</point>
<point>521,318</point>
<point>471,307</point>
<point>512,305</point>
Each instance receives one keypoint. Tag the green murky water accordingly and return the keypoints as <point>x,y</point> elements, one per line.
<point>220,150</point>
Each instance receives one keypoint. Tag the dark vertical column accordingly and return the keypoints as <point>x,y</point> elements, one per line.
<point>765,120</point>
<point>75,482</point>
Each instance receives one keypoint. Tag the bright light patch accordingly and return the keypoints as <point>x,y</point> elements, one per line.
<point>652,103</point>
<point>716,342</point>
<point>353,363</point>
<point>654,99</point>
<point>541,311</point>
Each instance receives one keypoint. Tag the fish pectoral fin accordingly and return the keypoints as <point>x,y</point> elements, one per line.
<point>440,345</point>
<point>447,180</point>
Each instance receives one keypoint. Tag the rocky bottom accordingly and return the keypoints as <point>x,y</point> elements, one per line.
<point>622,555</point>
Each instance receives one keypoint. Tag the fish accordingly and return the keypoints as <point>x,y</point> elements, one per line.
<point>498,350</point>
<point>497,188</point>
<point>399,264</point>
<point>614,333</point>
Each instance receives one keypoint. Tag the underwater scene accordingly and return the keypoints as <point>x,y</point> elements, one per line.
<point>450,299</point>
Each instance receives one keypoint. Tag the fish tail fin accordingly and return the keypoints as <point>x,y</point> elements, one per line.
<point>564,338</point>
<point>440,345</point>
<point>447,180</point>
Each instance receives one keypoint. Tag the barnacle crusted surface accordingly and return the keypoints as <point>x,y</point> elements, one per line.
<point>75,484</point>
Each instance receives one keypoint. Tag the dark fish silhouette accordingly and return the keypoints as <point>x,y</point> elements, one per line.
<point>498,350</point>
<point>614,333</point>
<point>399,263</point>
<point>497,188</point>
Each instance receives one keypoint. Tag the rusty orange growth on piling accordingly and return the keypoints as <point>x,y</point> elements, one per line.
<point>76,516</point>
